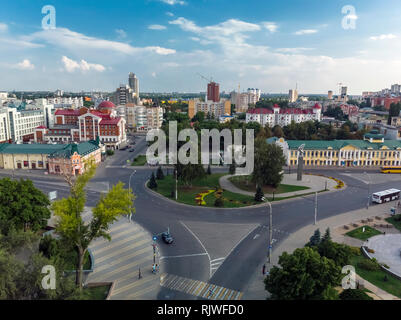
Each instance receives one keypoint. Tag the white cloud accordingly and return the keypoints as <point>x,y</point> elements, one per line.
<point>383,37</point>
<point>25,65</point>
<point>293,50</point>
<point>121,33</point>
<point>154,75</point>
<point>170,14</point>
<point>306,31</point>
<point>271,26</point>
<point>174,2</point>
<point>157,27</point>
<point>74,41</point>
<point>83,66</point>
<point>3,27</point>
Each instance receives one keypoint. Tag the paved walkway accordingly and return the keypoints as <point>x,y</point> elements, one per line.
<point>313,182</point>
<point>256,290</point>
<point>119,261</point>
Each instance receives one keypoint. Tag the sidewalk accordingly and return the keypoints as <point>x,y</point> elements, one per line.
<point>314,183</point>
<point>298,239</point>
<point>120,260</point>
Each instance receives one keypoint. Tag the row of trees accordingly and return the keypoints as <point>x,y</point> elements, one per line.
<point>24,211</point>
<point>312,272</point>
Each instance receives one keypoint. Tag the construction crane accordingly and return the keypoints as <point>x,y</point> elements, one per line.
<point>203,77</point>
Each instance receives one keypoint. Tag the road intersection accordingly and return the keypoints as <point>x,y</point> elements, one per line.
<point>219,247</point>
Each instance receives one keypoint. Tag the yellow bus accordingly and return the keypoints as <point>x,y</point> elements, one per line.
<point>390,169</point>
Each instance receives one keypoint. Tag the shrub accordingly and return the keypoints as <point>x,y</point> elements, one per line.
<point>369,265</point>
<point>219,202</point>
<point>356,251</point>
<point>159,174</point>
<point>354,294</point>
<point>49,246</point>
<point>110,152</point>
<point>152,182</point>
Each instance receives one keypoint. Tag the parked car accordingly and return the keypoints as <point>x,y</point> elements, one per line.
<point>167,238</point>
<point>132,150</point>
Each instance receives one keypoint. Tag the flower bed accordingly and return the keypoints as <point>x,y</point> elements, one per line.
<point>201,196</point>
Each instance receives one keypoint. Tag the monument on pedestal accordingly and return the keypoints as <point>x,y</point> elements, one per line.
<point>300,162</point>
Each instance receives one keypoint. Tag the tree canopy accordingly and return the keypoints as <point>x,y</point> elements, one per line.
<point>22,206</point>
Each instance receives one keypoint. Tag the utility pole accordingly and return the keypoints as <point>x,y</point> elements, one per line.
<point>315,208</point>
<point>129,188</point>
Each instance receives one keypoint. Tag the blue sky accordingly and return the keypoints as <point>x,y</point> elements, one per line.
<point>271,45</point>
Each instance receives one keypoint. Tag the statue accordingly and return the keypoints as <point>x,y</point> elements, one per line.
<point>300,162</point>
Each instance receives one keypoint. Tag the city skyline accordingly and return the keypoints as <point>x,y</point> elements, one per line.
<point>167,43</point>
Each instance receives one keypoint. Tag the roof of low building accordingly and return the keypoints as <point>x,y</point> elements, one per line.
<point>339,144</point>
<point>53,150</point>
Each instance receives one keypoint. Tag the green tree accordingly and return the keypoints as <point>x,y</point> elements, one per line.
<point>159,173</point>
<point>152,182</point>
<point>200,117</point>
<point>341,254</point>
<point>259,194</point>
<point>327,236</point>
<point>278,132</point>
<point>232,168</point>
<point>70,225</point>
<point>269,162</point>
<point>22,206</point>
<point>189,172</point>
<point>315,239</point>
<point>209,170</point>
<point>354,294</point>
<point>303,275</point>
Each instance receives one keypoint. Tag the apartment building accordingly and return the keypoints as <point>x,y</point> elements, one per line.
<point>217,109</point>
<point>283,117</point>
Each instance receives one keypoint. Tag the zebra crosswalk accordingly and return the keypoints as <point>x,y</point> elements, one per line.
<point>198,288</point>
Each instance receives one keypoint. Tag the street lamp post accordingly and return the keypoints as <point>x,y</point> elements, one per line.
<point>369,190</point>
<point>129,188</point>
<point>270,232</point>
<point>176,185</point>
<point>315,208</point>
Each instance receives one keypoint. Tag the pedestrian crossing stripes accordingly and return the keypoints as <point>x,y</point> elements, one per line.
<point>198,288</point>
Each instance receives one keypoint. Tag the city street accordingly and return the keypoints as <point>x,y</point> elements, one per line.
<point>217,246</point>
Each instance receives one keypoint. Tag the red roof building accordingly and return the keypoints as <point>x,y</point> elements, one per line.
<point>72,125</point>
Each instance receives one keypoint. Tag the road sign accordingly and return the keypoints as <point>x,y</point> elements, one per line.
<point>52,195</point>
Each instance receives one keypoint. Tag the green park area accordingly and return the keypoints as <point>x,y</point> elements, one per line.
<point>370,270</point>
<point>139,161</point>
<point>245,183</point>
<point>363,233</point>
<point>97,293</point>
<point>203,192</point>
<point>395,220</point>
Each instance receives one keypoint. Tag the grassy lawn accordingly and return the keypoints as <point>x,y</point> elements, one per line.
<point>358,234</point>
<point>392,285</point>
<point>187,195</point>
<point>245,183</point>
<point>396,221</point>
<point>97,293</point>
<point>139,161</point>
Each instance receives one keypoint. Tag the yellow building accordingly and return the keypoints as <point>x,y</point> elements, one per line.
<point>373,151</point>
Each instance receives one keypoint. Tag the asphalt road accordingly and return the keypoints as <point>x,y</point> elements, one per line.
<point>238,239</point>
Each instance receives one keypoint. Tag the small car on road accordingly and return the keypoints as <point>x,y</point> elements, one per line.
<point>167,238</point>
